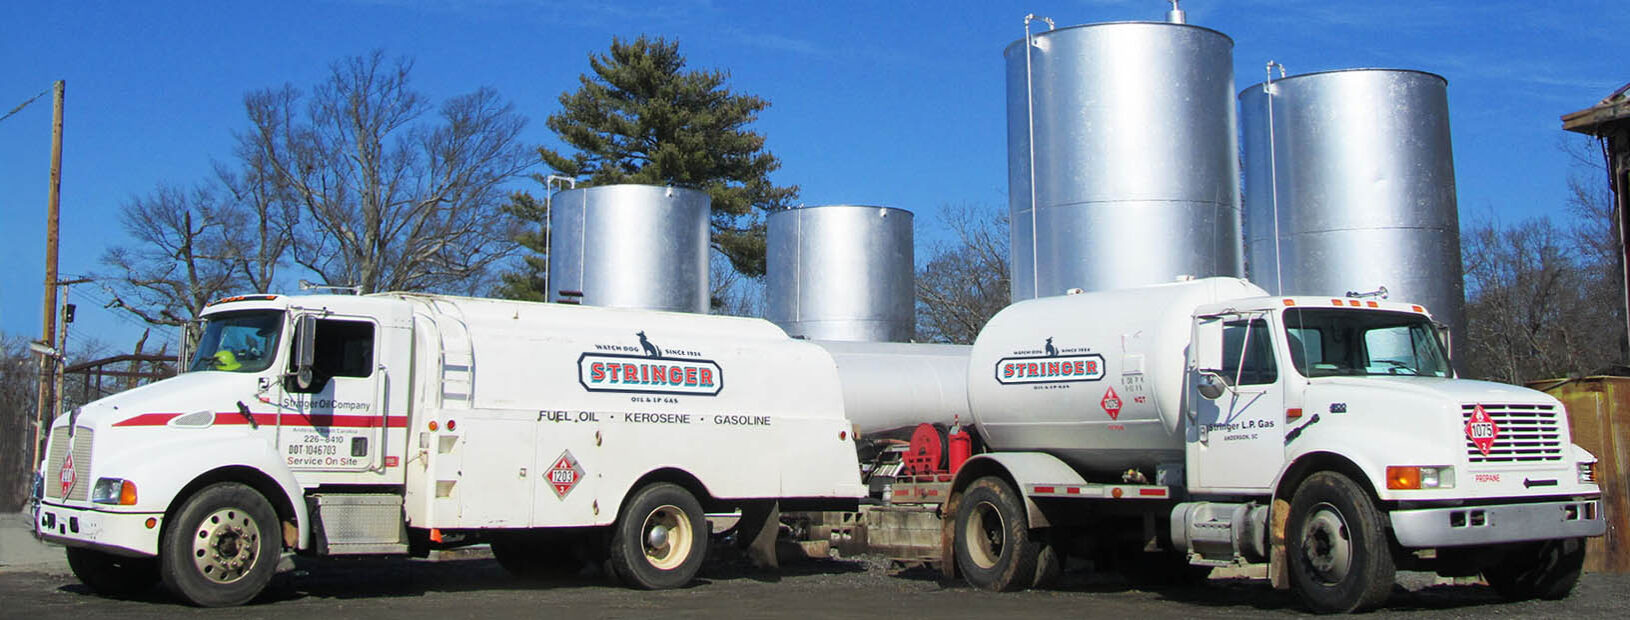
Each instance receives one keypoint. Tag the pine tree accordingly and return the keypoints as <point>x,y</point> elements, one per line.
<point>641,117</point>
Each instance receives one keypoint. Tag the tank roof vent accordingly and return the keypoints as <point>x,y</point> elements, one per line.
<point>1176,15</point>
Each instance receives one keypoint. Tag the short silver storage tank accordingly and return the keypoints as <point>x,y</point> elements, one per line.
<point>630,246</point>
<point>842,272</point>
<point>1354,170</point>
<point>1122,157</point>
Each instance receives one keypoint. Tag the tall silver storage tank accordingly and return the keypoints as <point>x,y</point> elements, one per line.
<point>1356,167</point>
<point>842,272</point>
<point>1130,128</point>
<point>630,246</point>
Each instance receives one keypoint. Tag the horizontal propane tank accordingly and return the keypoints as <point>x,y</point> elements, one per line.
<point>891,387</point>
<point>1093,378</point>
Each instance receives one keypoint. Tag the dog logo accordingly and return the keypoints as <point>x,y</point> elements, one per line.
<point>650,349</point>
<point>1052,351</point>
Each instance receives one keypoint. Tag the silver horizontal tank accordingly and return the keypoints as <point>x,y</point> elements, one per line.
<point>891,387</point>
<point>1354,171</point>
<point>842,272</point>
<point>630,246</point>
<point>1122,157</point>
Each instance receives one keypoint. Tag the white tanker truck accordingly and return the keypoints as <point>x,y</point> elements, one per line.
<point>1204,423</point>
<point>1199,423</point>
<point>400,423</point>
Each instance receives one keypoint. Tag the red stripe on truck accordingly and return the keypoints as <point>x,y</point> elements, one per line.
<point>230,418</point>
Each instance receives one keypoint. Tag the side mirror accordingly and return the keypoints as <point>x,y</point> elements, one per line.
<point>305,350</point>
<point>1443,337</point>
<point>1208,342</point>
<point>1210,384</point>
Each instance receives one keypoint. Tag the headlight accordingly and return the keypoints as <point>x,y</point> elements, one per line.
<point>1587,473</point>
<point>114,491</point>
<point>1420,477</point>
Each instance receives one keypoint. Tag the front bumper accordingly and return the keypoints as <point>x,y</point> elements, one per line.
<point>122,533</point>
<point>1497,523</point>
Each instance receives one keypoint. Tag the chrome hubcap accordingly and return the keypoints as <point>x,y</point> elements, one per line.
<point>225,545</point>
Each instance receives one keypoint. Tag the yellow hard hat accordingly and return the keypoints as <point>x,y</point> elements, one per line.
<point>225,360</point>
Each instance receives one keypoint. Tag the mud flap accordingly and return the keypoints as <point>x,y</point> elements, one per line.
<point>947,559</point>
<point>1278,570</point>
<point>760,525</point>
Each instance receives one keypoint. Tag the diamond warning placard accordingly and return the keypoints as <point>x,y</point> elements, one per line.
<point>1482,430</point>
<point>1112,404</point>
<point>564,474</point>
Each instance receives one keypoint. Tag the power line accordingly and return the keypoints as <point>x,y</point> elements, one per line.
<point>24,104</point>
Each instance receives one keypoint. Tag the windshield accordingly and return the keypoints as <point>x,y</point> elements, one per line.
<point>1326,342</point>
<point>238,341</point>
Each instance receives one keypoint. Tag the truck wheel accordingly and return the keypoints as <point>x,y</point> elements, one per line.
<point>993,545</point>
<point>1339,556</point>
<point>222,547</point>
<point>660,539</point>
<point>535,557</point>
<point>113,575</point>
<point>1546,570</point>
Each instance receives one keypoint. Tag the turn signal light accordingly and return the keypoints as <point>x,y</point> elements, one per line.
<point>1401,477</point>
<point>127,493</point>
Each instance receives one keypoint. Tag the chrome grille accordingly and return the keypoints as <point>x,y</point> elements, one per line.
<point>82,463</point>
<point>1527,433</point>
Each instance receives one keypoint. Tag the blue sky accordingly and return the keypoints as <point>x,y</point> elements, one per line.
<point>888,103</point>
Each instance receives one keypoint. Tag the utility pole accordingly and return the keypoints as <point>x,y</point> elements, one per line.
<point>49,330</point>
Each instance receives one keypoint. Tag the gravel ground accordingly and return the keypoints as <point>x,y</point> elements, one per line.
<point>857,588</point>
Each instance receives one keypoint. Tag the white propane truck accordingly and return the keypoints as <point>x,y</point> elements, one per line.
<point>333,425</point>
<point>1203,423</point>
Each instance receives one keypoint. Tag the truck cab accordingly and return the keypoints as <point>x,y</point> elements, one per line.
<point>1348,415</point>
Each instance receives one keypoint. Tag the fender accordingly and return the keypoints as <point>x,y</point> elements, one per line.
<point>1023,469</point>
<point>162,469</point>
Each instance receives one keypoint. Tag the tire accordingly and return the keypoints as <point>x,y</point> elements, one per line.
<point>660,539</point>
<point>536,557</point>
<point>1339,555</point>
<point>994,547</point>
<point>222,547</point>
<point>113,575</point>
<point>1546,570</point>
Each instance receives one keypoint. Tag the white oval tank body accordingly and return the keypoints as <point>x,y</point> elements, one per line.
<point>1096,379</point>
<point>890,386</point>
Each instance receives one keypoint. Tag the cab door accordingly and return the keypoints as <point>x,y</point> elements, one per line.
<point>1236,440</point>
<point>336,421</point>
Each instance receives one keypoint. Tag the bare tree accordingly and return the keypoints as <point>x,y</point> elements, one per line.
<point>966,282</point>
<point>1534,307</point>
<point>19,372</point>
<point>181,257</point>
<point>731,292</point>
<point>385,201</point>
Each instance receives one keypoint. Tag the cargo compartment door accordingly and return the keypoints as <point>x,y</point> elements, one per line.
<point>569,468</point>
<point>492,482</point>
<point>1235,441</point>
